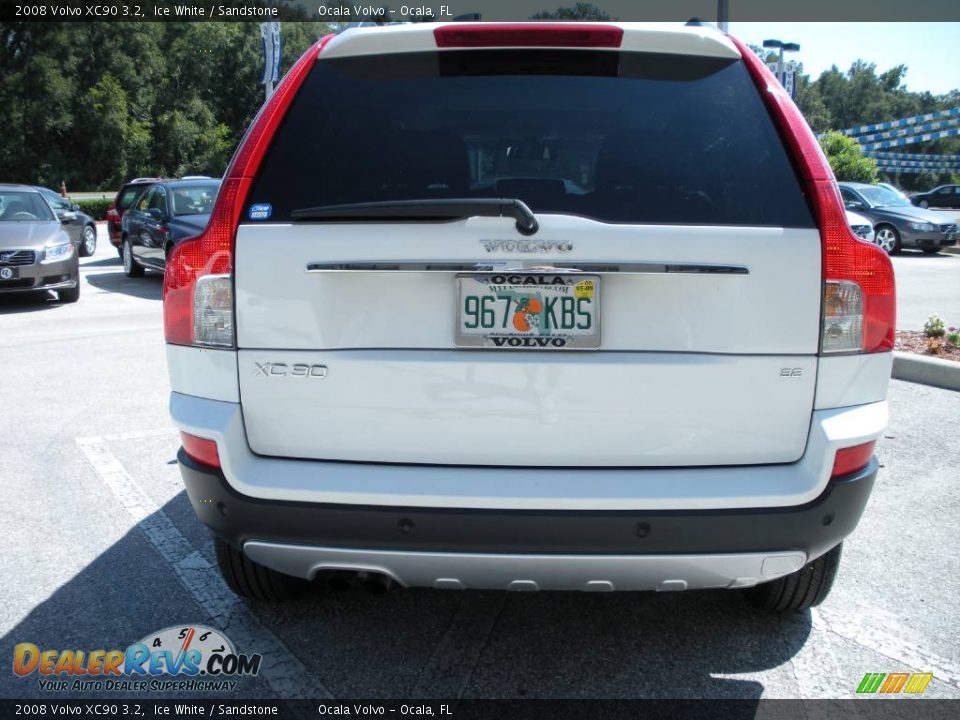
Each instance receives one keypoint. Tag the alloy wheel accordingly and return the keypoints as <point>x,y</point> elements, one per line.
<point>886,239</point>
<point>89,241</point>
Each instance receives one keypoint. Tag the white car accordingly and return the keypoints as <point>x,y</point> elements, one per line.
<point>403,348</point>
<point>861,226</point>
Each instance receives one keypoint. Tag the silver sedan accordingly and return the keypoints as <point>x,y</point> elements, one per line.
<point>36,253</point>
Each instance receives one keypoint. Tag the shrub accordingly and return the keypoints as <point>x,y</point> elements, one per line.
<point>97,208</point>
<point>953,336</point>
<point>847,159</point>
<point>934,327</point>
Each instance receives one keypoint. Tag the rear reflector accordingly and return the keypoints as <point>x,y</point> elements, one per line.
<point>528,35</point>
<point>859,296</point>
<point>200,449</point>
<point>851,459</point>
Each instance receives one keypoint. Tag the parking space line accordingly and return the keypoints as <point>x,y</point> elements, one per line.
<point>285,675</point>
<point>863,629</point>
<point>131,435</point>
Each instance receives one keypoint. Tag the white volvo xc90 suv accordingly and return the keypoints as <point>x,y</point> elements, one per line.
<point>530,306</point>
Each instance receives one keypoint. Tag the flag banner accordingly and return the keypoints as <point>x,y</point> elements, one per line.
<point>903,122</point>
<point>913,139</point>
<point>912,130</point>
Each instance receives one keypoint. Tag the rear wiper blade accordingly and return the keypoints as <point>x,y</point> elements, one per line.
<point>431,210</point>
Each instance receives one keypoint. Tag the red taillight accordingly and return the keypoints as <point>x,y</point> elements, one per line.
<point>192,318</point>
<point>200,449</point>
<point>851,459</point>
<point>859,303</point>
<point>477,35</point>
<point>847,259</point>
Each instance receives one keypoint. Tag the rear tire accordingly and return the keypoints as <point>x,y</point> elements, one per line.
<point>799,591</point>
<point>251,580</point>
<point>88,241</point>
<point>130,267</point>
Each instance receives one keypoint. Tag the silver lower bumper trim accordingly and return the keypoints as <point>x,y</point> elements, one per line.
<point>458,571</point>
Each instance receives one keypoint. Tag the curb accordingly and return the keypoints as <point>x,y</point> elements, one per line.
<point>954,250</point>
<point>926,370</point>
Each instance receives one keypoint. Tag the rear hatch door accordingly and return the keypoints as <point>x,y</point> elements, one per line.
<point>665,313</point>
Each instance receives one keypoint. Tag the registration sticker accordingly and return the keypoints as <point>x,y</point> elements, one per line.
<point>260,211</point>
<point>584,289</point>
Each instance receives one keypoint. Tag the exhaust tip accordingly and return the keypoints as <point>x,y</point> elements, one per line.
<point>343,580</point>
<point>377,584</point>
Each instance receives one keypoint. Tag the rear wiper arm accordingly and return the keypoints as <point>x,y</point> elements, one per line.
<point>433,210</point>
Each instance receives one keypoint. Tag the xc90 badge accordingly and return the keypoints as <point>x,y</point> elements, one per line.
<point>279,369</point>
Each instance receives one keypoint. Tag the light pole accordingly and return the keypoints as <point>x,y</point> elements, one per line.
<point>784,47</point>
<point>270,32</point>
<point>723,15</point>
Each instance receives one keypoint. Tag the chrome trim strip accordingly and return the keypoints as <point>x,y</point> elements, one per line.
<point>509,571</point>
<point>620,268</point>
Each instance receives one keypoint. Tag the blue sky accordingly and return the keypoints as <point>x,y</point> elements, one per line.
<point>931,51</point>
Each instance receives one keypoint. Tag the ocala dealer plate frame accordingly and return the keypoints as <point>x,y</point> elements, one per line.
<point>527,310</point>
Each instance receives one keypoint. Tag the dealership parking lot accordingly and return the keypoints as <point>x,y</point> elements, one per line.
<point>99,547</point>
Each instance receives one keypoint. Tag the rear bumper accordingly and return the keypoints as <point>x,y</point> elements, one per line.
<point>730,487</point>
<point>531,549</point>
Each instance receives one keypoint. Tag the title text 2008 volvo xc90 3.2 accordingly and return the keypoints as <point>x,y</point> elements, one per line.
<point>531,306</point>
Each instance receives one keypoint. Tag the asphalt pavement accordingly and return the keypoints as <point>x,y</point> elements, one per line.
<point>99,547</point>
<point>926,284</point>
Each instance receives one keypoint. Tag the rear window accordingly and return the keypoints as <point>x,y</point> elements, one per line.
<point>193,199</point>
<point>129,195</point>
<point>618,137</point>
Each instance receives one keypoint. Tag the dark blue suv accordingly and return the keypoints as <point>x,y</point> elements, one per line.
<point>165,213</point>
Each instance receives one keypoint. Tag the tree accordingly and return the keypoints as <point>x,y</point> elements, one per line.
<point>86,103</point>
<point>847,159</point>
<point>580,11</point>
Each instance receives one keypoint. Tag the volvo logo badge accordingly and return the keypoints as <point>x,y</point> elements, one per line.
<point>527,246</point>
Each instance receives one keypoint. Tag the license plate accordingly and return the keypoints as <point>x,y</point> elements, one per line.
<point>528,311</point>
<point>8,273</point>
